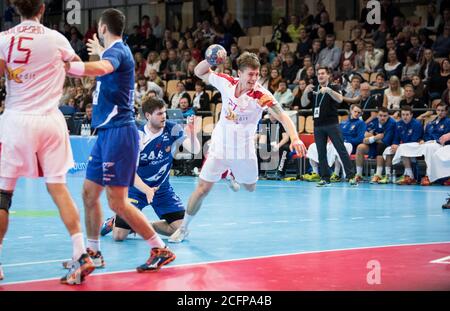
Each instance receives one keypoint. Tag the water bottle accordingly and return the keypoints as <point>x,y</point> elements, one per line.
<point>394,177</point>
<point>88,129</point>
<point>372,172</point>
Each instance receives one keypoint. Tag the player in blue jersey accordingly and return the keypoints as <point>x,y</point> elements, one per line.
<point>159,141</point>
<point>112,164</point>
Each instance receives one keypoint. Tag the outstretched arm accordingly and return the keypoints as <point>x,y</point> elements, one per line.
<point>90,69</point>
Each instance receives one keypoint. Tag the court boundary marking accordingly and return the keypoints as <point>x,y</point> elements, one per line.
<point>240,259</point>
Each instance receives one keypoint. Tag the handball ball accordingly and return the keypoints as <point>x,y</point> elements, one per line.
<point>215,54</point>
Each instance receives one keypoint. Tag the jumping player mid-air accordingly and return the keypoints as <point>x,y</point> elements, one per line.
<point>232,142</point>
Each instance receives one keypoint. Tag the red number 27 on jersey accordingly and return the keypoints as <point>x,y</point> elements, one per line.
<point>20,48</point>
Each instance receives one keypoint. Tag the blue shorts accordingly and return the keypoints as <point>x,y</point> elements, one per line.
<point>164,202</point>
<point>113,159</point>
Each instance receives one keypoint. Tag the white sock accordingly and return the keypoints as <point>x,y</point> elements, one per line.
<point>409,172</point>
<point>78,245</point>
<point>379,170</point>
<point>155,241</point>
<point>315,166</point>
<point>388,171</point>
<point>93,245</point>
<point>337,167</point>
<point>186,220</point>
<point>359,170</point>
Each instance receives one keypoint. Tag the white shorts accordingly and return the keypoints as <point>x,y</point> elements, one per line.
<point>413,150</point>
<point>245,171</point>
<point>34,145</point>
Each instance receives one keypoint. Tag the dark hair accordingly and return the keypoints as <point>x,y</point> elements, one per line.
<point>355,77</point>
<point>28,8</point>
<point>88,106</point>
<point>406,108</point>
<point>200,83</point>
<point>187,98</point>
<point>442,104</point>
<point>324,68</point>
<point>150,104</point>
<point>380,75</point>
<point>383,109</point>
<point>114,21</point>
<point>355,106</point>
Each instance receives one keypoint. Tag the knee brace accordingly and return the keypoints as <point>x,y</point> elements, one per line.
<point>5,200</point>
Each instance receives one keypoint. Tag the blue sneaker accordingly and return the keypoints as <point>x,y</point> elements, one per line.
<point>107,226</point>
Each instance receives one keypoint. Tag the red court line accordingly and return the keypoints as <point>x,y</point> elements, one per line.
<point>402,268</point>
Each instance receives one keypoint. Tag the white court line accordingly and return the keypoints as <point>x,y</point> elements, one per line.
<point>242,259</point>
<point>444,260</point>
<point>51,235</point>
<point>408,216</point>
<point>436,215</point>
<point>330,187</point>
<point>230,224</point>
<point>305,219</point>
<point>256,222</point>
<point>204,225</point>
<point>25,237</point>
<point>355,218</point>
<point>35,263</point>
<point>332,219</point>
<point>281,221</point>
<point>383,217</point>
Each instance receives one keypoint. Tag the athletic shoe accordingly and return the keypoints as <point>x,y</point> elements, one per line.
<point>386,179</point>
<point>425,181</point>
<point>375,179</point>
<point>78,270</point>
<point>179,235</point>
<point>406,180</point>
<point>323,183</point>
<point>400,180</point>
<point>2,276</point>
<point>444,206</point>
<point>107,226</point>
<point>232,183</point>
<point>335,178</point>
<point>447,182</point>
<point>355,180</point>
<point>313,177</point>
<point>96,258</point>
<point>158,257</point>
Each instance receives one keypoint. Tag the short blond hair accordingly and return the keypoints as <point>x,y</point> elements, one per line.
<point>248,59</point>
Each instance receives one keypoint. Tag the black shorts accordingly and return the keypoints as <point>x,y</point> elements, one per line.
<point>169,217</point>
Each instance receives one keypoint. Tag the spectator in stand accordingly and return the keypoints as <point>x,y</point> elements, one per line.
<point>136,40</point>
<point>277,64</point>
<point>414,102</point>
<point>393,67</point>
<point>151,43</point>
<point>187,58</point>
<point>306,19</point>
<point>360,57</point>
<point>293,29</point>
<point>420,91</point>
<point>379,86</point>
<point>195,52</point>
<point>310,76</point>
<point>145,25</point>
<point>140,90</point>
<point>315,51</point>
<point>445,99</point>
<point>438,82</point>
<point>8,16</point>
<point>356,34</point>
<point>168,40</point>
<point>174,101</point>
<point>368,102</point>
<point>347,54</point>
<point>157,28</point>
<point>441,46</point>
<point>289,69</point>
<point>389,11</point>
<point>410,69</point>
<point>301,73</point>
<point>304,45</point>
<point>232,26</point>
<point>445,21</point>
<point>330,55</point>
<point>280,35</point>
<point>191,78</point>
<point>379,36</point>
<point>417,48</point>
<point>274,80</point>
<point>347,75</point>
<point>429,66</point>
<point>393,95</point>
<point>153,62</point>
<point>163,57</point>
<point>140,64</point>
<point>234,54</point>
<point>153,77</point>
<point>283,95</point>
<point>87,120</point>
<point>185,106</point>
<point>373,58</point>
<point>173,66</point>
<point>264,76</point>
<point>298,93</point>
<point>90,32</point>
<point>353,95</point>
<point>76,43</point>
<point>433,19</point>
<point>200,101</point>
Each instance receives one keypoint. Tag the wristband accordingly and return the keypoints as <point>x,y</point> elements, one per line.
<point>76,68</point>
<point>372,140</point>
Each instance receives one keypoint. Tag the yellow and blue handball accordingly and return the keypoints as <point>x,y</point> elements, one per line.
<point>215,54</point>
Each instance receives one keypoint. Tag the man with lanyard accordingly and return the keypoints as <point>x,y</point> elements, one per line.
<point>326,123</point>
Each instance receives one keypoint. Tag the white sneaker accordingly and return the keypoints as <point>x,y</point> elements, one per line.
<point>2,276</point>
<point>179,235</point>
<point>232,183</point>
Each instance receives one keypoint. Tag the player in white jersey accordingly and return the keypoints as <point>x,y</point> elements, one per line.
<point>232,141</point>
<point>34,140</point>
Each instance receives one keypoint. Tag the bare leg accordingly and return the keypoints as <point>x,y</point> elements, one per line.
<point>92,209</point>
<point>66,206</point>
<point>197,197</point>
<point>164,228</point>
